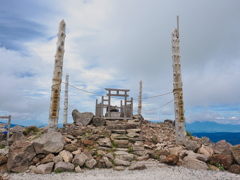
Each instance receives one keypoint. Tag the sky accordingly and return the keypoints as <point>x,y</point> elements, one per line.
<point>116,44</point>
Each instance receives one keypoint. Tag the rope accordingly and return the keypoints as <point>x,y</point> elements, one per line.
<point>160,106</point>
<point>154,96</point>
<point>116,97</point>
<point>82,90</point>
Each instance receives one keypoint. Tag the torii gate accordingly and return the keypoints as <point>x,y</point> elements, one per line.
<point>126,108</point>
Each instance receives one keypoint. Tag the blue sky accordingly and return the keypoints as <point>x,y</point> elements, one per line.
<point>115,44</point>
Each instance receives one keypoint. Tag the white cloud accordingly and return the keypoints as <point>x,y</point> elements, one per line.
<point>117,44</point>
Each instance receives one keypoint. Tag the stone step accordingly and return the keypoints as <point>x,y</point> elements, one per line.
<point>118,131</point>
<point>122,126</point>
<point>119,136</point>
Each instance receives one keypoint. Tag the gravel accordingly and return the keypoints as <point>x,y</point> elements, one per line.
<point>152,173</point>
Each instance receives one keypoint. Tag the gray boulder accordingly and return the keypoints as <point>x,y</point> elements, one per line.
<point>20,155</point>
<point>120,162</point>
<point>107,162</point>
<point>98,121</point>
<point>51,142</point>
<point>45,168</point>
<point>82,118</point>
<point>191,162</point>
<point>137,166</point>
<point>236,153</point>
<point>79,159</point>
<point>192,145</point>
<point>17,136</point>
<point>91,163</point>
<point>220,146</point>
<point>64,167</point>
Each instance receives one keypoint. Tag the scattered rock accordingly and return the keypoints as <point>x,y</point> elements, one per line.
<point>119,168</point>
<point>51,142</point>
<point>79,159</point>
<point>57,159</point>
<point>120,162</point>
<point>82,118</point>
<point>225,161</point>
<point>66,155</point>
<point>205,150</point>
<point>47,159</point>
<point>20,155</point>
<point>45,168</point>
<point>192,145</point>
<point>90,163</point>
<point>98,121</point>
<point>3,159</point>
<point>220,146</point>
<point>236,153</point>
<point>107,162</point>
<point>172,159</point>
<point>106,142</point>
<point>191,162</point>
<point>70,147</point>
<point>64,167</point>
<point>78,169</point>
<point>235,168</point>
<point>137,166</point>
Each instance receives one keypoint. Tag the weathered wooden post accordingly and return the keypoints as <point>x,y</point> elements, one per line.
<point>140,98</point>
<point>65,114</point>
<point>9,124</point>
<point>57,80</point>
<point>177,88</point>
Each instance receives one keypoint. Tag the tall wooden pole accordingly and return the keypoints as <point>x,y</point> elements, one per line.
<point>177,89</point>
<point>65,114</point>
<point>140,98</point>
<point>57,80</point>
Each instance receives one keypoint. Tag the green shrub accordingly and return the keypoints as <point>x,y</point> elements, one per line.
<point>30,129</point>
<point>189,133</point>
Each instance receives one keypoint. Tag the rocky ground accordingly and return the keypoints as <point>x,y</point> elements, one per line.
<point>95,146</point>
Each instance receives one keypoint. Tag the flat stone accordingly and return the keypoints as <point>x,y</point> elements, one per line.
<point>45,168</point>
<point>137,166</point>
<point>236,153</point>
<point>106,142</point>
<point>107,162</point>
<point>64,166</point>
<point>133,130</point>
<point>90,163</point>
<point>47,159</point>
<point>66,155</point>
<point>78,169</point>
<point>119,131</point>
<point>119,168</point>
<point>220,146</point>
<point>79,159</point>
<point>120,162</point>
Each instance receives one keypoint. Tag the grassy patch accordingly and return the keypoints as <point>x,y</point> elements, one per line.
<point>30,129</point>
<point>59,171</point>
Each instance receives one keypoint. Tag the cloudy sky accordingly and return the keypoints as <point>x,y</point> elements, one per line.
<point>115,44</point>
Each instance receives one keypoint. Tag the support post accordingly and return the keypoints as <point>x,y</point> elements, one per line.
<point>65,114</point>
<point>57,80</point>
<point>140,98</point>
<point>177,89</point>
<point>9,124</point>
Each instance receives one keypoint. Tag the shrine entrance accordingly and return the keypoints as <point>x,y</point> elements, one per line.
<point>124,111</point>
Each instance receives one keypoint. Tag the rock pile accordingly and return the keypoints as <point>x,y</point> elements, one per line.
<point>116,144</point>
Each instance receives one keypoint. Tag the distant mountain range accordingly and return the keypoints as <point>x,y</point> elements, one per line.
<point>211,127</point>
<point>231,137</point>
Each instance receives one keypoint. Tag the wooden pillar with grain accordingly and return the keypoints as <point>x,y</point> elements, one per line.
<point>65,113</point>
<point>177,89</point>
<point>57,80</point>
<point>140,98</point>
